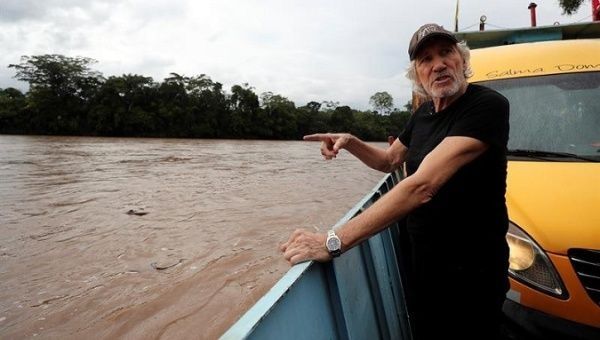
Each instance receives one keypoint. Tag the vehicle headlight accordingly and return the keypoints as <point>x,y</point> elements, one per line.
<point>529,264</point>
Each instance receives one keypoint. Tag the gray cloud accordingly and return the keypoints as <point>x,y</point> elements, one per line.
<point>341,50</point>
<point>36,10</point>
<point>16,10</point>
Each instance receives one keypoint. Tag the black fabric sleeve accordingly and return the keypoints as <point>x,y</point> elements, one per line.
<point>485,118</point>
<point>405,135</point>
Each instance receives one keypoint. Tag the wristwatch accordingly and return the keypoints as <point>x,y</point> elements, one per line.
<point>333,244</point>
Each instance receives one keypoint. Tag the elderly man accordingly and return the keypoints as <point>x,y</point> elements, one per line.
<point>453,197</point>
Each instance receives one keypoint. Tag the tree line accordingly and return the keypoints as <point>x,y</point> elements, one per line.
<point>67,97</point>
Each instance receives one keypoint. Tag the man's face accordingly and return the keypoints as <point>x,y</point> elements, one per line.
<point>440,68</point>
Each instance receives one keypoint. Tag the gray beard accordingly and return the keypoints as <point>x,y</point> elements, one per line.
<point>447,91</point>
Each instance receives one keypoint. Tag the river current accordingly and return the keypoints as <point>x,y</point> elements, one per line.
<point>154,238</point>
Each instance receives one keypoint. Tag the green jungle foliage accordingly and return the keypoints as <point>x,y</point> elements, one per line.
<point>67,97</point>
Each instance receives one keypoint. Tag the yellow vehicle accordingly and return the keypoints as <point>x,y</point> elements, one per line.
<point>551,77</point>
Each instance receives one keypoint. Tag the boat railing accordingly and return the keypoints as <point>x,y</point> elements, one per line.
<point>358,295</point>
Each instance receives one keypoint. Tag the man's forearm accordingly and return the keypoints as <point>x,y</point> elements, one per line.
<point>402,199</point>
<point>373,157</point>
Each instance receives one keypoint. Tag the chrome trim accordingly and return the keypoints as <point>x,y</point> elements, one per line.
<point>594,289</point>
<point>587,271</point>
<point>588,275</point>
<point>585,262</point>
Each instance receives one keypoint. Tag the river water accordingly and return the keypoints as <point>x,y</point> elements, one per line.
<point>154,238</point>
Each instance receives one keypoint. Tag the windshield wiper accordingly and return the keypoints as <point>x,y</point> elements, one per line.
<point>541,154</point>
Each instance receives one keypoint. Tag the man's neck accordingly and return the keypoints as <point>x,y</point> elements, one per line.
<point>440,104</point>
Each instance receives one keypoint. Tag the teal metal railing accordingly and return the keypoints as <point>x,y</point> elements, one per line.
<point>359,295</point>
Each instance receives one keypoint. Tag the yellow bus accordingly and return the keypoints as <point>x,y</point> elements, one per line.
<point>551,77</point>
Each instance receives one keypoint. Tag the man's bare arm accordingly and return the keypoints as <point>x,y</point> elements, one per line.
<point>385,160</point>
<point>435,170</point>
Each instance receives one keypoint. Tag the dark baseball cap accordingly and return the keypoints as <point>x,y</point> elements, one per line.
<point>425,33</point>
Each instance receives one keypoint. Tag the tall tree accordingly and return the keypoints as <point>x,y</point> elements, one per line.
<point>382,102</point>
<point>244,106</point>
<point>281,118</point>
<point>59,90</point>
<point>174,106</point>
<point>63,75</point>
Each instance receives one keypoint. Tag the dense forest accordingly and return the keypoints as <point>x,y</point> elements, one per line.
<point>67,97</point>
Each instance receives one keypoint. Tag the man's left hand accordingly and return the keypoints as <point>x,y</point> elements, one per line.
<point>305,246</point>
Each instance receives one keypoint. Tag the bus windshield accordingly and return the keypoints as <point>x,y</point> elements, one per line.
<point>554,114</point>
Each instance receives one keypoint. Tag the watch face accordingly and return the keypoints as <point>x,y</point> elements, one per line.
<point>333,243</point>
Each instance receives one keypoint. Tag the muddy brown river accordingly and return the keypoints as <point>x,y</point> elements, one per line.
<point>110,238</point>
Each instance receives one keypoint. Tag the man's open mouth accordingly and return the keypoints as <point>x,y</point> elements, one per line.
<point>442,79</point>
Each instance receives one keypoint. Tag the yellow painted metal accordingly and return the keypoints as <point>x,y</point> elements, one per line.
<point>535,59</point>
<point>557,203</point>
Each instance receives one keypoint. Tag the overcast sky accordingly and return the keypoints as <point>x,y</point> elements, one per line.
<point>339,50</point>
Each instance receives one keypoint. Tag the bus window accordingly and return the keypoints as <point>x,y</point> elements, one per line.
<point>556,113</point>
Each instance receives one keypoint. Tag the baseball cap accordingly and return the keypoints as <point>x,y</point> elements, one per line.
<point>425,33</point>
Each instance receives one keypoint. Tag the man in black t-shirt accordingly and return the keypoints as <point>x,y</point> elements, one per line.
<point>459,250</point>
<point>453,197</point>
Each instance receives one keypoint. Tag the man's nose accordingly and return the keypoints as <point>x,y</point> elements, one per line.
<point>439,65</point>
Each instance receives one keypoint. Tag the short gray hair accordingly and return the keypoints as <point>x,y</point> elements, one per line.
<point>411,72</point>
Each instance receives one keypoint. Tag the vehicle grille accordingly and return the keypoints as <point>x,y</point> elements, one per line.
<point>587,265</point>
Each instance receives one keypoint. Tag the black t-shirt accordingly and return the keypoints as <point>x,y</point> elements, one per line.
<point>467,217</point>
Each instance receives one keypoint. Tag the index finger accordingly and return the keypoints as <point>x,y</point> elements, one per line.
<point>317,137</point>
